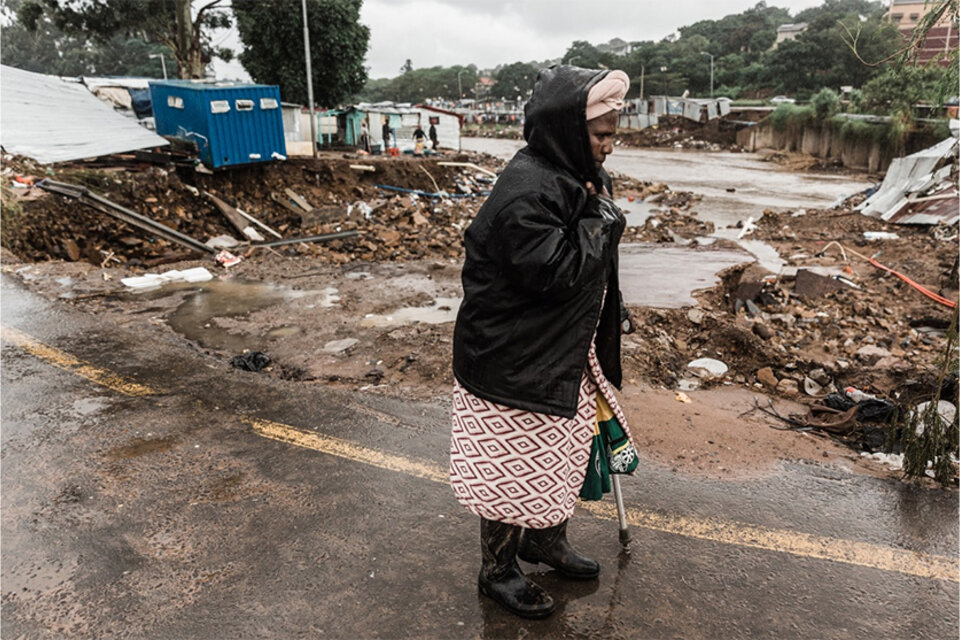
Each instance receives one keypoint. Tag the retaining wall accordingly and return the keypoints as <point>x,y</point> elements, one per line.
<point>821,143</point>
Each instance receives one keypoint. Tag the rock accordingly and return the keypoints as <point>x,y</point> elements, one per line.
<point>788,387</point>
<point>820,376</point>
<point>762,330</point>
<point>707,368</point>
<point>891,363</point>
<point>696,315</point>
<point>337,346</point>
<point>812,285</point>
<point>766,377</point>
<point>947,412</point>
<point>871,353</point>
<point>786,319</point>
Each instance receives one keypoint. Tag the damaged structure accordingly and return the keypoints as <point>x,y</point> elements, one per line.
<point>51,120</point>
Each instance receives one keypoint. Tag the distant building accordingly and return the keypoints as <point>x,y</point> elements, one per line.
<point>616,46</point>
<point>789,32</point>
<point>941,38</point>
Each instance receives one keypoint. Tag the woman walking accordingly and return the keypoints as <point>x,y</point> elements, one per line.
<point>537,340</point>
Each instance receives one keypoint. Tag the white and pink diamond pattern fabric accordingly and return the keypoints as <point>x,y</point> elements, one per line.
<point>522,467</point>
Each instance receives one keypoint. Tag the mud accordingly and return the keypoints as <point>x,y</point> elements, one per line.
<point>377,316</point>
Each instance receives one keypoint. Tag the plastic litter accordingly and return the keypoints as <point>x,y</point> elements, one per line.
<point>150,280</point>
<point>250,361</point>
<point>880,235</point>
<point>707,368</point>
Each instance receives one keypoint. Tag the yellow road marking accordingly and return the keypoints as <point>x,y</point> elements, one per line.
<point>73,364</point>
<point>741,534</point>
<point>347,450</point>
<point>796,543</point>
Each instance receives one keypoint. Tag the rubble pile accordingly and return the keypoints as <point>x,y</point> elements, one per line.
<point>337,195</point>
<point>829,320</point>
<point>681,133</point>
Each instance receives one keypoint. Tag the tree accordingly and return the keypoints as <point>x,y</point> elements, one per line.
<point>47,49</point>
<point>272,35</point>
<point>516,79</point>
<point>166,22</point>
<point>898,90</point>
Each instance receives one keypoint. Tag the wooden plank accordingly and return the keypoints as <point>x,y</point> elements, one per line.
<point>300,200</point>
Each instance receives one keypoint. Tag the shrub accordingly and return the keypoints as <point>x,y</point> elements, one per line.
<point>826,103</point>
<point>790,117</point>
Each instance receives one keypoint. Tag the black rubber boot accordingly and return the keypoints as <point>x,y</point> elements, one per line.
<point>500,576</point>
<point>550,547</point>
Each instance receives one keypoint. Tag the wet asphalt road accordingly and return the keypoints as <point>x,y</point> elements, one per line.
<point>171,515</point>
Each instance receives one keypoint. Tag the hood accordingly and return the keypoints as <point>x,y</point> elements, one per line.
<point>555,125</point>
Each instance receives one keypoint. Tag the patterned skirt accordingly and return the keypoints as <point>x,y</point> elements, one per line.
<point>523,467</point>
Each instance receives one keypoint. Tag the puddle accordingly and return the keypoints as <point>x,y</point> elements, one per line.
<point>195,317</point>
<point>442,310</point>
<point>636,212</point>
<point>141,447</point>
<point>766,255</point>
<point>283,332</point>
<point>665,277</point>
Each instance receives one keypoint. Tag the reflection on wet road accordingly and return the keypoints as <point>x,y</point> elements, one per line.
<point>202,513</point>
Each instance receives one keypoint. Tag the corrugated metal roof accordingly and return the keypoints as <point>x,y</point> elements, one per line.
<point>907,180</point>
<point>49,120</point>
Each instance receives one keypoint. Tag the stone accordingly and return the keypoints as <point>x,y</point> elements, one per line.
<point>871,353</point>
<point>337,346</point>
<point>696,315</point>
<point>812,285</point>
<point>820,376</point>
<point>788,387</point>
<point>707,368</point>
<point>762,330</point>
<point>766,377</point>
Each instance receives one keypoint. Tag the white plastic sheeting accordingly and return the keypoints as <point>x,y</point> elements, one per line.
<point>50,120</point>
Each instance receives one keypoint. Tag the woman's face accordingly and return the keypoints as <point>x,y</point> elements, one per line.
<point>601,130</point>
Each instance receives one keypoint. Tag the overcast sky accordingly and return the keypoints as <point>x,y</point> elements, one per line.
<point>492,32</point>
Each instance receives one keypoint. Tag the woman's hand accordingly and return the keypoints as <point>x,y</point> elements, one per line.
<point>592,190</point>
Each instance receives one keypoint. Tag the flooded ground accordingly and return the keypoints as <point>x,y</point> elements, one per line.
<point>665,276</point>
<point>734,186</point>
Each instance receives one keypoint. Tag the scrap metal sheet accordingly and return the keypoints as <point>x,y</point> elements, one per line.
<point>44,118</point>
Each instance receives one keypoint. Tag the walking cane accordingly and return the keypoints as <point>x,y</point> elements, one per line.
<point>621,511</point>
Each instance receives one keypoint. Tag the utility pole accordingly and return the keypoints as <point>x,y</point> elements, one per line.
<point>459,86</point>
<point>306,53</point>
<point>711,70</point>
<point>643,70</point>
<point>163,63</point>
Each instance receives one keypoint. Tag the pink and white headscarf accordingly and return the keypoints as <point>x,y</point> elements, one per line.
<point>607,94</point>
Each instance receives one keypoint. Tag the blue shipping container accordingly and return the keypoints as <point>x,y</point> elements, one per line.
<point>231,124</point>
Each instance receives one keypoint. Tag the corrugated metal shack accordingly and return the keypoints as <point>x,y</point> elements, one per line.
<point>231,123</point>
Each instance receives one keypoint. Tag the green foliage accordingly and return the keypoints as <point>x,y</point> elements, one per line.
<point>419,85</point>
<point>928,439</point>
<point>900,88</point>
<point>516,79</point>
<point>791,117</point>
<point>153,21</point>
<point>851,131</point>
<point>272,34</point>
<point>826,103</point>
<point>47,49</point>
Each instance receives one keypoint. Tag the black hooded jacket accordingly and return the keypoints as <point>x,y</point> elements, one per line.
<point>538,256</point>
